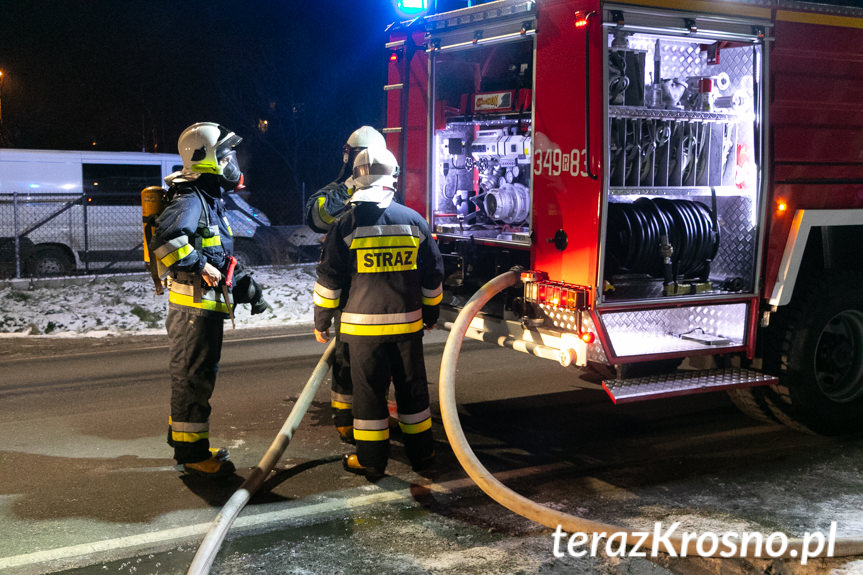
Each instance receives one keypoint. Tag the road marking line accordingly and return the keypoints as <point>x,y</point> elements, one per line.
<point>286,516</point>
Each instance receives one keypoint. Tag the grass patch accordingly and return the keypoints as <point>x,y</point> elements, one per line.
<point>151,318</point>
<point>15,295</point>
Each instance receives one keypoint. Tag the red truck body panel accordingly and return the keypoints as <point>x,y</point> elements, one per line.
<point>816,117</point>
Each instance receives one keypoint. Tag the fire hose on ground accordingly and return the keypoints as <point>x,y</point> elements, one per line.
<point>531,510</point>
<point>213,540</point>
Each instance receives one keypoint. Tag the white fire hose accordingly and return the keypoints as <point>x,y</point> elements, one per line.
<point>213,540</point>
<point>539,513</point>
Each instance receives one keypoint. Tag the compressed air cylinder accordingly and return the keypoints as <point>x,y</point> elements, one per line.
<point>152,204</point>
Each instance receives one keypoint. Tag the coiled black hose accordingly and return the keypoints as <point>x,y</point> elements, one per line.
<point>637,233</point>
<point>617,80</point>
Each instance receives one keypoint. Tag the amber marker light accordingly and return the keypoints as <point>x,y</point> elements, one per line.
<point>781,207</point>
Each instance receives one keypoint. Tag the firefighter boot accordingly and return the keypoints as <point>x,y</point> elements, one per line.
<point>351,463</point>
<point>423,463</point>
<point>346,433</point>
<point>217,466</point>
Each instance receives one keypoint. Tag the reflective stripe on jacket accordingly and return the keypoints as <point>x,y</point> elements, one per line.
<point>393,267</point>
<point>325,205</point>
<point>210,299</point>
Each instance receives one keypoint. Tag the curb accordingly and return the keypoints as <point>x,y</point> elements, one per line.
<point>27,284</point>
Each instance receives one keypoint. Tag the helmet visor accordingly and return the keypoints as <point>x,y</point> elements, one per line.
<point>228,140</point>
<point>373,170</point>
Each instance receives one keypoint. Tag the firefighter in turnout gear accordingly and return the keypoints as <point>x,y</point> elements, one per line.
<point>325,205</point>
<point>192,244</point>
<point>322,209</point>
<point>385,253</point>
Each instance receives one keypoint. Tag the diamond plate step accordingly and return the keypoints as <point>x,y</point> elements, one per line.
<point>683,383</point>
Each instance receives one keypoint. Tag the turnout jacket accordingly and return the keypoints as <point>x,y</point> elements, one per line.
<point>325,205</point>
<point>331,201</point>
<point>193,230</point>
<point>392,266</point>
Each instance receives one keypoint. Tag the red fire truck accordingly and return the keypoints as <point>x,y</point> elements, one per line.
<point>682,183</point>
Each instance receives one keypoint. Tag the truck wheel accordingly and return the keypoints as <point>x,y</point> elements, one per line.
<point>247,253</point>
<point>746,401</point>
<point>46,261</point>
<point>815,346</point>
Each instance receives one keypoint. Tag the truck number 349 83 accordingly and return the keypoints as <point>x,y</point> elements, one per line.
<point>554,162</point>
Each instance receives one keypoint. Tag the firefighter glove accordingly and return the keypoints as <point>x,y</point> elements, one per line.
<point>430,315</point>
<point>247,290</point>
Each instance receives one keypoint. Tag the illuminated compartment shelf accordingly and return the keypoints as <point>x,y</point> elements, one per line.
<point>687,191</point>
<point>637,112</point>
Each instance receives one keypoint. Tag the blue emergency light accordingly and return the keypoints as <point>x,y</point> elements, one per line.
<point>412,7</point>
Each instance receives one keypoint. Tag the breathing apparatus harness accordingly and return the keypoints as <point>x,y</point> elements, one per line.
<point>245,289</point>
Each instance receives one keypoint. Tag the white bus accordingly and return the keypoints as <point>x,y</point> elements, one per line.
<point>67,211</point>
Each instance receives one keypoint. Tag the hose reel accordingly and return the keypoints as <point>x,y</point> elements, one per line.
<point>663,238</point>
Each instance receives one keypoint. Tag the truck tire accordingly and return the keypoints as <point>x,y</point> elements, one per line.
<point>47,261</point>
<point>815,346</point>
<point>754,402</point>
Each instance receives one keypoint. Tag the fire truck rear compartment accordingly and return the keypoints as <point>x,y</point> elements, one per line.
<point>683,174</point>
<point>682,207</point>
<point>680,181</point>
<point>481,148</point>
<point>682,202</point>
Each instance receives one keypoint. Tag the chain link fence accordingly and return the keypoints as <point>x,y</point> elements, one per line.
<point>59,234</point>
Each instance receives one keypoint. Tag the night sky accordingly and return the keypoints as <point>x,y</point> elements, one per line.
<point>131,75</point>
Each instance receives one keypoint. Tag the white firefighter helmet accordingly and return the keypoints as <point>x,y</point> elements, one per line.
<point>375,166</point>
<point>206,148</point>
<point>362,138</point>
<point>366,137</point>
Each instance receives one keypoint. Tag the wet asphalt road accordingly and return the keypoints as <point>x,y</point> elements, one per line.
<point>87,484</point>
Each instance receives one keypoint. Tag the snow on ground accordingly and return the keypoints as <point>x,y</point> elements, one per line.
<point>102,306</point>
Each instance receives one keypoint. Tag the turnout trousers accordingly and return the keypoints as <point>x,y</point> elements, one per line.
<point>372,367</point>
<point>342,389</point>
<point>195,343</point>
